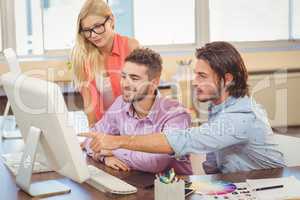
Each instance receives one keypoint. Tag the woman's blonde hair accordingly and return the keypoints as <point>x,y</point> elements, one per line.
<point>84,52</point>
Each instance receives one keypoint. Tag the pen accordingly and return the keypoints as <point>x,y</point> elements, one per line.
<point>268,188</point>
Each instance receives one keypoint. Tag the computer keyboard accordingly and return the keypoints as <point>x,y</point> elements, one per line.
<point>107,183</point>
<point>98,178</point>
<point>12,161</point>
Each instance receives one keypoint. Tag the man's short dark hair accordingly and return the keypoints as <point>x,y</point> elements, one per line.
<point>148,58</point>
<point>224,58</point>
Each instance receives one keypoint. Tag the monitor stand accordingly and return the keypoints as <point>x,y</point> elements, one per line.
<point>23,179</point>
<point>9,134</point>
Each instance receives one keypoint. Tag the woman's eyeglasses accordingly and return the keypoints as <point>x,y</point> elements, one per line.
<point>97,28</point>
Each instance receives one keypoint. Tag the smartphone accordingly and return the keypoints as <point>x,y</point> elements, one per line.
<point>188,192</point>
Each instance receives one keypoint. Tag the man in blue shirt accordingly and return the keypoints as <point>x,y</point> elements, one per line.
<point>237,135</point>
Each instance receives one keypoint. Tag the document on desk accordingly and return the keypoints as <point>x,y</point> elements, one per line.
<point>284,188</point>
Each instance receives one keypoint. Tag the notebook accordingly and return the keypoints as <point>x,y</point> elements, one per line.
<point>290,189</point>
<point>222,190</point>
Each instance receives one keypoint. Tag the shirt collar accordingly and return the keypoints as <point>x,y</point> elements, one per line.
<point>152,113</point>
<point>116,45</point>
<point>214,109</point>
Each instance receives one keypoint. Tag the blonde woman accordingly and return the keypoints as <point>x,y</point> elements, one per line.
<point>97,58</point>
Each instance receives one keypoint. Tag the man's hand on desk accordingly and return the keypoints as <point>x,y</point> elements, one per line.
<point>115,163</point>
<point>97,156</point>
<point>106,152</point>
<point>101,141</point>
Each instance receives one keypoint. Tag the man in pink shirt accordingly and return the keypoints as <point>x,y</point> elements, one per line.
<point>140,109</point>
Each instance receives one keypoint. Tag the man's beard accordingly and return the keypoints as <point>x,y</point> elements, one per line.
<point>216,94</point>
<point>138,96</point>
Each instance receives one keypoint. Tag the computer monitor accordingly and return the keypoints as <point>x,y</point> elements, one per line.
<point>13,66</point>
<point>41,115</point>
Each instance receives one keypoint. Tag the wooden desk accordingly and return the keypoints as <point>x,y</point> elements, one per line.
<point>9,190</point>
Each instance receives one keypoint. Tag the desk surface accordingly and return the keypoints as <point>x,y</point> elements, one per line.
<point>9,190</point>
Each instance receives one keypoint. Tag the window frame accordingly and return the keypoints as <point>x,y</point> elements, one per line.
<point>201,35</point>
<point>8,26</point>
<point>1,38</point>
<point>272,45</point>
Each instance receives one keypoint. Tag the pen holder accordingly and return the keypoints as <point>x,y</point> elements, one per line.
<point>171,191</point>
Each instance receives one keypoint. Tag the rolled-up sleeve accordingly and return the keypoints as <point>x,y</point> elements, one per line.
<point>224,131</point>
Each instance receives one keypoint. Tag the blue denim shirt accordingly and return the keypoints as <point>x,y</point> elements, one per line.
<point>237,132</point>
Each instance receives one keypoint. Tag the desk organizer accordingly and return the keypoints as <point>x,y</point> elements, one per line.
<point>171,191</point>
